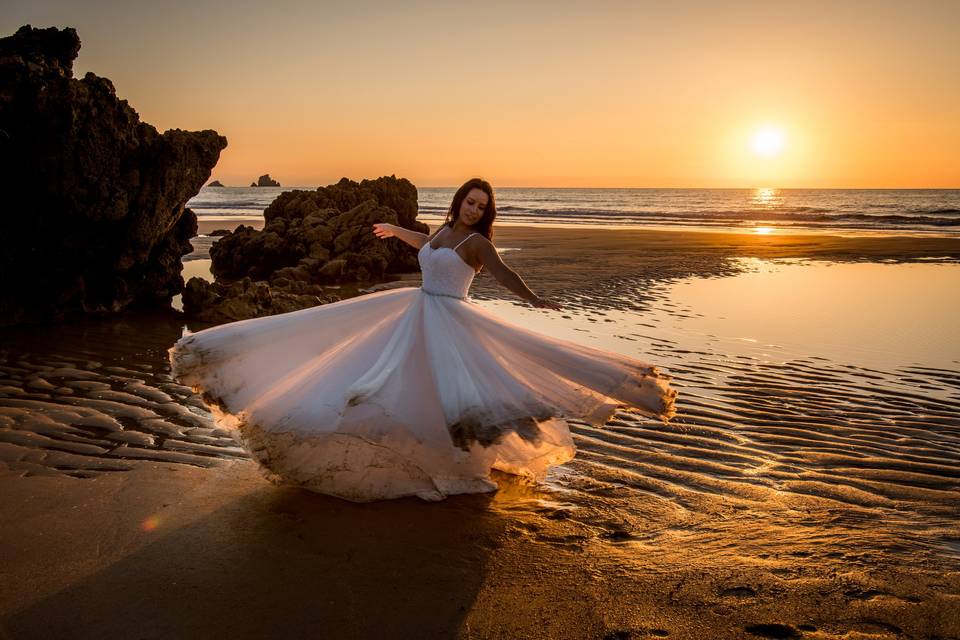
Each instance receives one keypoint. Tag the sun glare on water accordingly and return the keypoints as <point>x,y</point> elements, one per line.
<point>768,141</point>
<point>769,199</point>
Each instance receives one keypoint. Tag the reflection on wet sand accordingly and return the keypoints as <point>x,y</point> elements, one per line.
<point>773,439</point>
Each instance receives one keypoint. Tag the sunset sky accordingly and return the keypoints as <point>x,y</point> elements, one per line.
<point>590,94</point>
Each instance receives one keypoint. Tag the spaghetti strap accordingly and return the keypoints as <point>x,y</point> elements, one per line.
<point>436,233</point>
<point>464,240</point>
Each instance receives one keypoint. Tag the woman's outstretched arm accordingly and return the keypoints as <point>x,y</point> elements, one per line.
<point>508,277</point>
<point>385,230</point>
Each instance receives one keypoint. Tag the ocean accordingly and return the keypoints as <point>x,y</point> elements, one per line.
<point>910,211</point>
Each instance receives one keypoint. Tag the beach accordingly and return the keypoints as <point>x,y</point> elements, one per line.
<point>730,410</point>
<point>808,486</point>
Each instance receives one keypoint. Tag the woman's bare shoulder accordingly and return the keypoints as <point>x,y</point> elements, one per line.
<point>480,245</point>
<point>481,240</point>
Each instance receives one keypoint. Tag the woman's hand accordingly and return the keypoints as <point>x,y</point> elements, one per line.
<point>383,230</point>
<point>543,303</point>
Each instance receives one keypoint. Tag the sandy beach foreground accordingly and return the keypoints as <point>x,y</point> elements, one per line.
<point>801,492</point>
<point>164,552</point>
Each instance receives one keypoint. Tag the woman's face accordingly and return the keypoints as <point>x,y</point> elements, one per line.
<point>473,206</point>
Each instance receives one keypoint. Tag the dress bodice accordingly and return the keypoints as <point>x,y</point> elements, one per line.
<point>444,272</point>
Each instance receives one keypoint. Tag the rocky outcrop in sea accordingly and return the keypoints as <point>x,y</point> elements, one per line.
<point>265,181</point>
<point>311,238</point>
<point>94,198</point>
<point>215,183</point>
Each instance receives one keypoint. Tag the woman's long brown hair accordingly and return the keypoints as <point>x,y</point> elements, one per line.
<point>485,225</point>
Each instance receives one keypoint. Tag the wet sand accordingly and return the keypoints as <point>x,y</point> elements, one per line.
<point>176,551</point>
<point>797,494</point>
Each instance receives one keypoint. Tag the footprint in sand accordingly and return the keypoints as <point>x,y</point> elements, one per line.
<point>773,631</point>
<point>617,535</point>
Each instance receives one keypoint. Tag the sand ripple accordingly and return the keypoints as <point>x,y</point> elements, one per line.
<point>769,458</point>
<point>64,412</point>
<point>799,456</point>
<point>804,456</point>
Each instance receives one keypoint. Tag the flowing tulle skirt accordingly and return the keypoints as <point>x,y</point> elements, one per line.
<point>402,393</point>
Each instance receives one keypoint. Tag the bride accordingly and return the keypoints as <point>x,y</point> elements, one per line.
<point>412,391</point>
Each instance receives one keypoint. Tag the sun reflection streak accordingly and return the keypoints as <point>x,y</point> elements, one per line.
<point>767,197</point>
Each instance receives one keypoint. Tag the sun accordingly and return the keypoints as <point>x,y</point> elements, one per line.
<point>768,141</point>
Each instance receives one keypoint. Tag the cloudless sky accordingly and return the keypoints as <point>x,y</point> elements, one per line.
<point>592,94</point>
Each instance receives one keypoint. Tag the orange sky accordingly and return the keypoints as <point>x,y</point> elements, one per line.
<point>601,94</point>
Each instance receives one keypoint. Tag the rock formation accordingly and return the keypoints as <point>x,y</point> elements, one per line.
<point>311,238</point>
<point>94,197</point>
<point>226,302</point>
<point>265,181</point>
<point>215,183</point>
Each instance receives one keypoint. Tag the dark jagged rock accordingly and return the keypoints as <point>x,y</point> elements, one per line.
<point>320,237</point>
<point>219,232</point>
<point>325,234</point>
<point>227,302</point>
<point>215,183</point>
<point>265,181</point>
<point>94,197</point>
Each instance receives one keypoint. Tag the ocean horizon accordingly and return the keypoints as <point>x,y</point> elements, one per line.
<point>897,211</point>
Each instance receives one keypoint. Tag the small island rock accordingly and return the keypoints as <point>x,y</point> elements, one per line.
<point>265,181</point>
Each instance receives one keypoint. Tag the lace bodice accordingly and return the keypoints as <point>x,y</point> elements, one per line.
<point>444,271</point>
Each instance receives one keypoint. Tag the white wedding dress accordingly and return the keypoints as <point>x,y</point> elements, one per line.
<point>407,392</point>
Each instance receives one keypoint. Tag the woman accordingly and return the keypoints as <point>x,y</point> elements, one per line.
<point>412,391</point>
<point>470,224</point>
